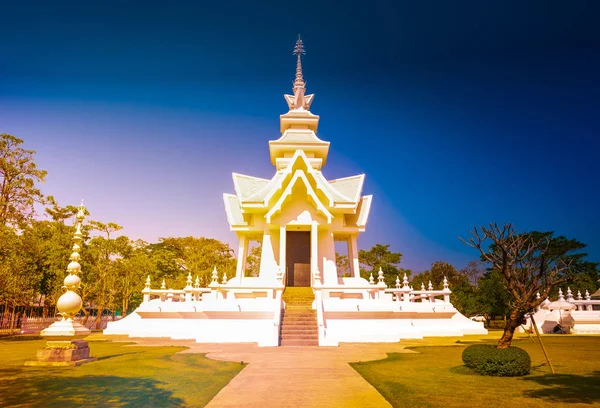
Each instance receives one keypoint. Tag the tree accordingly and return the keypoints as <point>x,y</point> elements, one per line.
<point>253,261</point>
<point>377,257</point>
<point>18,175</point>
<point>19,279</point>
<point>493,299</point>
<point>474,271</point>
<point>101,252</point>
<point>198,256</point>
<point>131,271</point>
<point>529,263</point>
<point>463,293</point>
<point>342,264</point>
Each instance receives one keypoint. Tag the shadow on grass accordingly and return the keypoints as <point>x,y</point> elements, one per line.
<point>20,337</point>
<point>117,355</point>
<point>566,388</point>
<point>41,388</point>
<point>462,370</point>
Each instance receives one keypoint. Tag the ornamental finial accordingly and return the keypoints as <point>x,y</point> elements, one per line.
<point>299,52</point>
<point>299,101</point>
<point>70,302</point>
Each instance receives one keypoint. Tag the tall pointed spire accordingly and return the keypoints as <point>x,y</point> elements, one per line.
<point>299,101</point>
<point>299,51</point>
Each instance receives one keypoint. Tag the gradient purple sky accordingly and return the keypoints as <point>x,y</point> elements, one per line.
<point>458,115</point>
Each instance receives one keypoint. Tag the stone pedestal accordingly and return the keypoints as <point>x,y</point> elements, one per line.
<point>63,353</point>
<point>65,346</point>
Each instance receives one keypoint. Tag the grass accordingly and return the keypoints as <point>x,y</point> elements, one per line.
<point>123,376</point>
<point>435,377</point>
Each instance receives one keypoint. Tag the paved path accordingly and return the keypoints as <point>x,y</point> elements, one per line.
<point>294,376</point>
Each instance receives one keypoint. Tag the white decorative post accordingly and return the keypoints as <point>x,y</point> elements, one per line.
<point>538,297</point>
<point>430,289</point>
<point>146,292</point>
<point>214,284</point>
<point>214,278</point>
<point>446,291</point>
<point>65,345</point>
<point>569,295</point>
<point>371,280</point>
<point>163,294</point>
<point>380,277</point>
<point>381,284</point>
<point>196,287</point>
<point>588,297</point>
<point>405,289</point>
<point>188,288</point>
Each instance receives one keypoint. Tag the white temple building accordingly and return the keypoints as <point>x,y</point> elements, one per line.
<point>297,215</point>
<point>574,315</point>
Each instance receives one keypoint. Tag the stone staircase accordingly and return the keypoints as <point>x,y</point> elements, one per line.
<point>298,320</point>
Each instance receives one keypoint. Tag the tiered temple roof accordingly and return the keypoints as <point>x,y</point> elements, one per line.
<point>298,156</point>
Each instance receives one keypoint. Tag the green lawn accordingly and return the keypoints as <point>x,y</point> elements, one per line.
<point>435,376</point>
<point>123,376</point>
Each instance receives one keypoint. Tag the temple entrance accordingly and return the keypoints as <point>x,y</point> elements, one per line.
<point>298,258</point>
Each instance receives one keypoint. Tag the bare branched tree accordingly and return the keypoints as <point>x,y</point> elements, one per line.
<point>530,263</point>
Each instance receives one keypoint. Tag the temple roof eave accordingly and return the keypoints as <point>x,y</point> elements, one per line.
<point>351,186</point>
<point>233,210</point>
<point>246,186</point>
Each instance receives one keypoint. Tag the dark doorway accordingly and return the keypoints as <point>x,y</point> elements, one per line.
<point>297,255</point>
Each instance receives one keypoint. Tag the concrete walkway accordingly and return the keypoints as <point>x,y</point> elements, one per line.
<point>294,376</point>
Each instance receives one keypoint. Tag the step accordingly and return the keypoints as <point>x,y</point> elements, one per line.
<point>289,342</point>
<point>300,333</point>
<point>311,337</point>
<point>299,311</point>
<point>299,325</point>
<point>299,316</point>
<point>299,319</point>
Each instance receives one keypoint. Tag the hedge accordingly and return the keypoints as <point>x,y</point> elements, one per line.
<point>486,359</point>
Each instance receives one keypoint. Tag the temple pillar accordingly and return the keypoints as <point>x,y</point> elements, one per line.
<point>314,248</point>
<point>241,261</point>
<point>353,256</point>
<point>282,250</point>
<point>268,264</point>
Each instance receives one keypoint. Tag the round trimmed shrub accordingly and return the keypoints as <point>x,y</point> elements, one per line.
<point>486,359</point>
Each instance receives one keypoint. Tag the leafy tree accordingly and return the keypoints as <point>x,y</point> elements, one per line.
<point>197,256</point>
<point>253,261</point>
<point>463,293</point>
<point>342,264</point>
<point>18,277</point>
<point>100,280</point>
<point>529,263</point>
<point>131,271</point>
<point>493,299</point>
<point>18,176</point>
<point>377,257</point>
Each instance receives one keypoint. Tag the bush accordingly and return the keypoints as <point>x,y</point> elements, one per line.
<point>486,359</point>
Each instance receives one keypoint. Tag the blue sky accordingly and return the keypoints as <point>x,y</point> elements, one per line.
<point>460,113</point>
